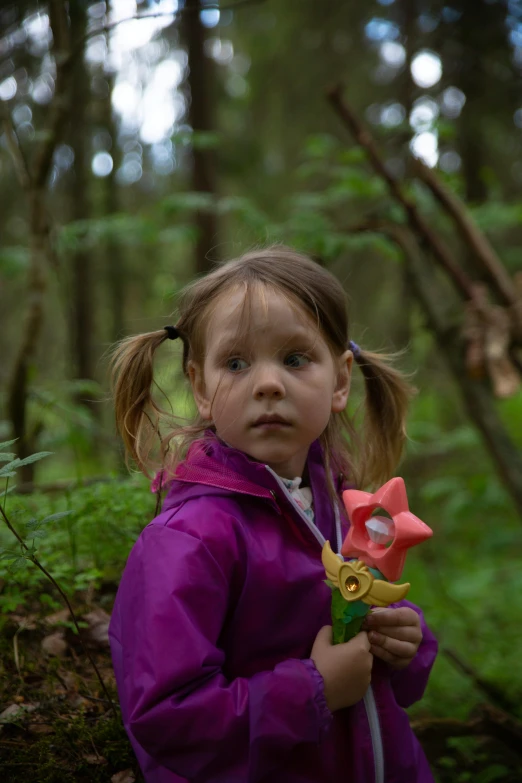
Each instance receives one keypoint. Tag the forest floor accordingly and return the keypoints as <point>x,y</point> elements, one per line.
<point>57,724</point>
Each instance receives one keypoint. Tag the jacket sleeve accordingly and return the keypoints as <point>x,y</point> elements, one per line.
<point>176,702</point>
<point>409,684</point>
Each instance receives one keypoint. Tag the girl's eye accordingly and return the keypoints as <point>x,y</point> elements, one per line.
<point>296,360</point>
<point>236,365</point>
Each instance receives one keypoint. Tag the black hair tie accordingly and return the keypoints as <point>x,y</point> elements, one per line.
<point>172,332</point>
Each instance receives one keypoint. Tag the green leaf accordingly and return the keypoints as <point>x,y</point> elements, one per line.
<point>34,458</point>
<point>8,469</point>
<point>321,145</point>
<point>33,524</point>
<point>54,517</point>
<point>189,202</point>
<point>5,554</point>
<point>495,772</point>
<point>13,261</point>
<point>17,564</point>
<point>7,443</point>
<point>205,140</point>
<point>7,456</point>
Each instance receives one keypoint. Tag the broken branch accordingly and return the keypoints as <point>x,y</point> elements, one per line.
<point>474,238</point>
<point>417,223</point>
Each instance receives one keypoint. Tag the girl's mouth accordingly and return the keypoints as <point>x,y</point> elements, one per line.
<point>269,422</point>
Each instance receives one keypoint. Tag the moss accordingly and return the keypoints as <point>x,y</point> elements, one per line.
<point>81,748</point>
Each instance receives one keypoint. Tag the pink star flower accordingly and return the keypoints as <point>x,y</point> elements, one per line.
<point>409,530</point>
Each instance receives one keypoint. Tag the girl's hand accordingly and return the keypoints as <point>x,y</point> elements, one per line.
<point>345,668</point>
<point>394,634</point>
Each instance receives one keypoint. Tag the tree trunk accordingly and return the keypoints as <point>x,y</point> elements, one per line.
<point>37,289</point>
<point>401,335</point>
<point>200,119</point>
<point>34,181</point>
<point>115,276</point>
<point>82,321</point>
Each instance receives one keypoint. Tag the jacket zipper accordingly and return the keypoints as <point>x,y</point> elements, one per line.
<point>375,733</point>
<point>369,699</point>
<point>308,522</point>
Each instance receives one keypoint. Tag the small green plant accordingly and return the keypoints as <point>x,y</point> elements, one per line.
<point>26,552</point>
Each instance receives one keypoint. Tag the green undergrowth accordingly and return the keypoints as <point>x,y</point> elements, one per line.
<point>84,548</point>
<point>467,579</point>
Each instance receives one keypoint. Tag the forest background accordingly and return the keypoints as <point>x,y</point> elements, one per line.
<point>134,154</point>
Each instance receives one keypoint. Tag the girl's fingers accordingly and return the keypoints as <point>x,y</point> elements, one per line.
<point>406,633</point>
<point>388,657</point>
<point>395,648</point>
<point>399,617</point>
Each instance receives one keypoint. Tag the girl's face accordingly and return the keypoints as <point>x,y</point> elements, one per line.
<point>270,386</point>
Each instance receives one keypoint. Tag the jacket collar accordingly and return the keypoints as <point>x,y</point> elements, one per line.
<point>214,468</point>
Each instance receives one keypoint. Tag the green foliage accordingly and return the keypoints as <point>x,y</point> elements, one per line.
<point>84,536</point>
<point>497,216</point>
<point>120,228</point>
<point>13,261</point>
<point>13,462</point>
<point>466,578</point>
<point>181,203</point>
<point>200,140</point>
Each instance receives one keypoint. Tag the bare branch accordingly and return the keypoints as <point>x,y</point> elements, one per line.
<point>13,144</point>
<point>489,689</point>
<point>476,394</point>
<point>415,220</point>
<point>489,722</point>
<point>474,238</point>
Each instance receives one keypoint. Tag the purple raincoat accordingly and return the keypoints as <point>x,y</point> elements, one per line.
<point>218,607</point>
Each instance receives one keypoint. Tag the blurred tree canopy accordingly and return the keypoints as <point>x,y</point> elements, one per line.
<point>182,133</point>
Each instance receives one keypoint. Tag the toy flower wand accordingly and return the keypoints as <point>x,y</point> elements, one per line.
<point>377,547</point>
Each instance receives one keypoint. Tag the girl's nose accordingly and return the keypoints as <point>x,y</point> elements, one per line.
<point>268,383</point>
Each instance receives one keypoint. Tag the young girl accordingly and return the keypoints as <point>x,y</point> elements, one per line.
<point>220,634</point>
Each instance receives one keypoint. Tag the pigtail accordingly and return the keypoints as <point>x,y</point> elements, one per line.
<point>137,415</point>
<point>384,431</point>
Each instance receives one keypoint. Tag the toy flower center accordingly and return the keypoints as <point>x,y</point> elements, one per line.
<point>352,584</point>
<point>381,530</point>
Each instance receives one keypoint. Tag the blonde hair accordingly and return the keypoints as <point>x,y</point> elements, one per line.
<point>367,458</point>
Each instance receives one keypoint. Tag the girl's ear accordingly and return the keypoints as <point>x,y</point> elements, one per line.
<point>342,386</point>
<point>197,381</point>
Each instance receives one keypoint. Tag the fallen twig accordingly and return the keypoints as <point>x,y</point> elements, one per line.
<point>488,722</point>
<point>489,689</point>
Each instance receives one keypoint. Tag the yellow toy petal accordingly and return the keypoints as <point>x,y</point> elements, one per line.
<point>385,593</point>
<point>331,564</point>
